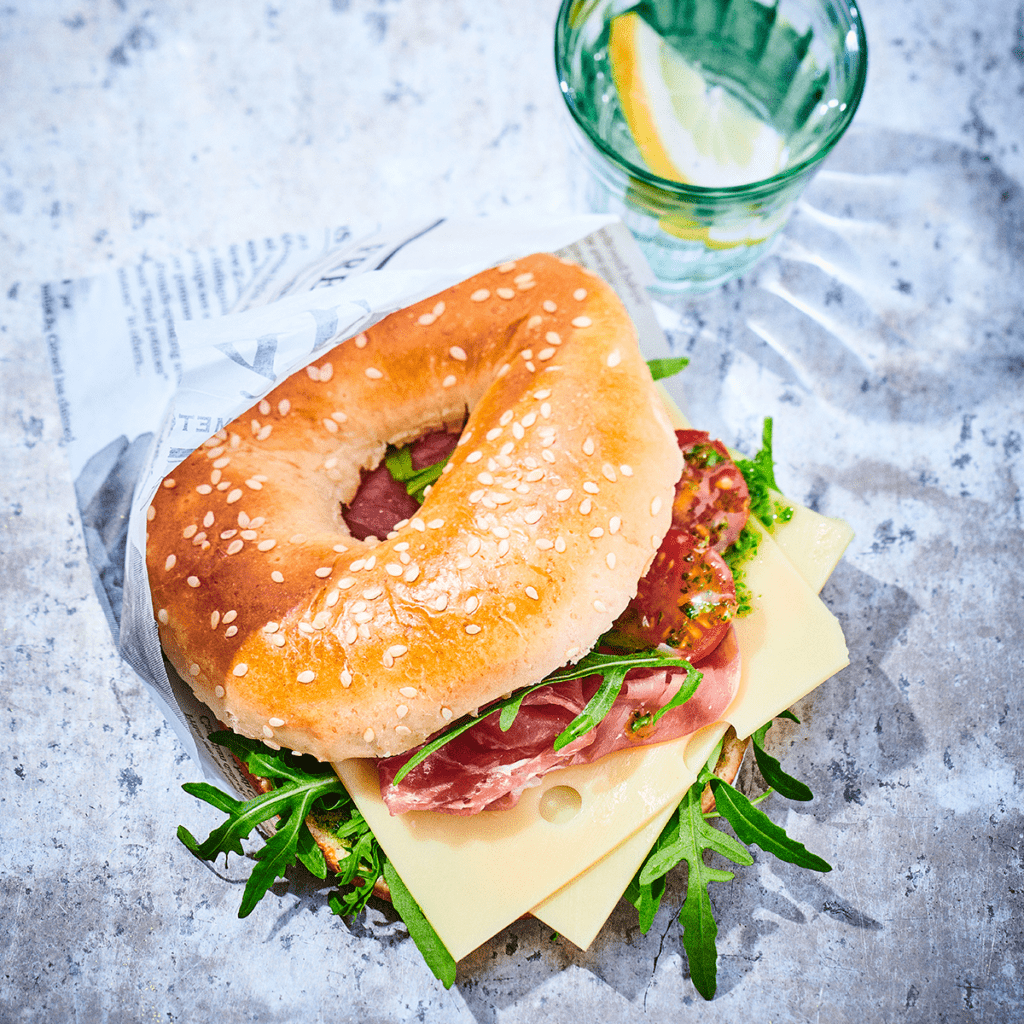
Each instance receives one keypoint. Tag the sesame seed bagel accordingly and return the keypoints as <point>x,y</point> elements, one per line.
<point>524,552</point>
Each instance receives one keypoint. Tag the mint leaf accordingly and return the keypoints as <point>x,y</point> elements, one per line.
<point>662,368</point>
<point>429,943</point>
<point>771,769</point>
<point>754,827</point>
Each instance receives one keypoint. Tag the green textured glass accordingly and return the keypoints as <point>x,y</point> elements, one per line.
<point>798,66</point>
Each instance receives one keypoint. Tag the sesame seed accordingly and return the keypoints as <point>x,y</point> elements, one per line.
<point>265,432</point>
<point>222,486</point>
<point>215,476</point>
<point>326,372</point>
<point>503,547</point>
<point>214,619</point>
<point>475,496</point>
<point>588,446</point>
<point>493,433</point>
<point>523,277</point>
<point>368,736</point>
<point>507,267</point>
<point>655,541</point>
<point>219,691</point>
<point>560,544</point>
<point>150,514</point>
<point>591,488</point>
<point>542,394</point>
<point>346,677</point>
<point>544,544</point>
<point>397,650</point>
<point>626,470</point>
<point>345,583</point>
<point>234,495</point>
<point>599,606</point>
<point>305,627</point>
<point>271,627</point>
<point>168,483</point>
<point>403,730</point>
<point>505,293</point>
<point>446,714</point>
<point>441,603</point>
<point>204,489</point>
<point>517,431</point>
<point>504,369</point>
<point>264,407</point>
<point>402,710</point>
<point>610,559</point>
<point>582,321</point>
<point>306,676</point>
<point>547,455</point>
<point>480,295</point>
<point>193,670</point>
<point>458,353</point>
<point>597,531</point>
<point>614,357</point>
<point>277,577</point>
<point>163,616</point>
<point>387,660</point>
<point>472,629</point>
<point>208,520</point>
<point>613,524</point>
<point>350,635</point>
<point>314,373</point>
<point>533,516</point>
<point>534,322</point>
<point>417,524</point>
<point>361,340</point>
<point>268,732</point>
<point>585,506</point>
<point>324,571</point>
<point>485,478</point>
<point>373,373</point>
<point>266,545</point>
<point>531,593</point>
<point>564,494</point>
<point>330,426</point>
<point>474,456</point>
<point>534,475</point>
<point>408,691</point>
<point>200,537</point>
<point>549,306</point>
<point>501,531</point>
<point>284,406</point>
<point>235,546</point>
<point>393,569</point>
<point>506,450</point>
<point>239,670</point>
<point>435,524</point>
<point>473,546</point>
<point>426,319</point>
<point>411,573</point>
<point>449,381</point>
<point>332,598</point>
<point>553,338</point>
<point>655,506</point>
<point>531,367</point>
<point>189,531</point>
<point>372,593</point>
<point>221,463</point>
<point>244,520</point>
<point>357,565</point>
<point>193,581</point>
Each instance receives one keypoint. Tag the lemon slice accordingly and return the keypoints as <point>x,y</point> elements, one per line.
<point>686,129</point>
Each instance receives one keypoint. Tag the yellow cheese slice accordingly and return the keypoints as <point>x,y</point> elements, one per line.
<point>472,876</point>
<point>790,643</point>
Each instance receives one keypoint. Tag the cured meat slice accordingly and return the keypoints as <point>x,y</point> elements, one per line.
<point>487,769</point>
<point>382,501</point>
<point>712,499</point>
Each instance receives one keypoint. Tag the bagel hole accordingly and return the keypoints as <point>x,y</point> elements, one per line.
<point>381,501</point>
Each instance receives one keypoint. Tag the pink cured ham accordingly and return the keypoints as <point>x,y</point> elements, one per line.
<point>382,501</point>
<point>486,769</point>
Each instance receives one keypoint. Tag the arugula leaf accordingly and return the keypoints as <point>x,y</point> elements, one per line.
<point>595,663</point>
<point>771,769</point>
<point>754,827</point>
<point>687,836</point>
<point>429,943</point>
<point>399,464</point>
<point>297,793</point>
<point>662,368</point>
<point>759,472</point>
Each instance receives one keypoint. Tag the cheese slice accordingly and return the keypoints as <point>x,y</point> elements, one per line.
<point>472,876</point>
<point>789,644</point>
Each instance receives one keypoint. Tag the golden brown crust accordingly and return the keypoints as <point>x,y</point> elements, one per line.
<point>521,556</point>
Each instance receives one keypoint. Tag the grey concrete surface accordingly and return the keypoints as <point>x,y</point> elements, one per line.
<point>886,337</point>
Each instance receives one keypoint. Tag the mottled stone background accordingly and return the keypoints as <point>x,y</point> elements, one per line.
<point>886,338</point>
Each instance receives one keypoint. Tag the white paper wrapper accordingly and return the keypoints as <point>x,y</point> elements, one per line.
<point>143,380</point>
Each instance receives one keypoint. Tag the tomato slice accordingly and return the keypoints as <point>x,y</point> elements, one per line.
<point>712,500</point>
<point>686,600</point>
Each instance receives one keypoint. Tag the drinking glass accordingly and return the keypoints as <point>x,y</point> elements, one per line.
<point>796,68</point>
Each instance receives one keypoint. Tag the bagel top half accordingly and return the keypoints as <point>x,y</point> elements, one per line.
<point>524,552</point>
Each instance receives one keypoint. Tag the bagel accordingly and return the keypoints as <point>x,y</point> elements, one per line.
<point>523,553</point>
